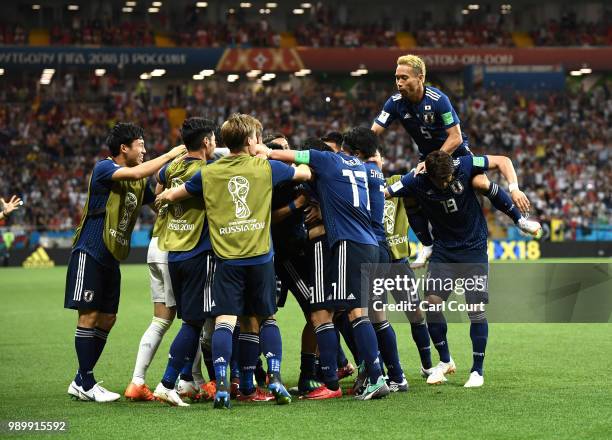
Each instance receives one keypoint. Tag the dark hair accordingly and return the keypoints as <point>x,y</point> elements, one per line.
<point>274,135</point>
<point>315,144</point>
<point>439,165</point>
<point>333,136</point>
<point>123,133</point>
<point>274,145</point>
<point>194,130</point>
<point>361,139</point>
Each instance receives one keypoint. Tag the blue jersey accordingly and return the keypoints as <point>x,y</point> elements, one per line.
<point>454,213</point>
<point>204,243</point>
<point>376,190</point>
<point>90,239</point>
<point>280,173</point>
<point>342,190</point>
<point>426,122</point>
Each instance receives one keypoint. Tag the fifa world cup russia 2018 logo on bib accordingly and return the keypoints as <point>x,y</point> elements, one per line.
<point>238,187</point>
<point>389,216</point>
<point>131,202</point>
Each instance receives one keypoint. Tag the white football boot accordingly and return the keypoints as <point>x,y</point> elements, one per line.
<point>475,380</point>
<point>187,389</point>
<point>422,257</point>
<point>530,227</point>
<point>426,372</point>
<point>437,374</point>
<point>99,394</point>
<point>74,391</point>
<point>171,397</point>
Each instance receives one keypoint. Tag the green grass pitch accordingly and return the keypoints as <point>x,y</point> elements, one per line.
<point>542,380</point>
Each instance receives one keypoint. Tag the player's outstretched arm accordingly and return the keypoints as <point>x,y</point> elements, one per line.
<point>148,168</point>
<point>505,166</point>
<point>172,195</point>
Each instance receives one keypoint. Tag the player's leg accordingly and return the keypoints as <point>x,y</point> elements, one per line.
<point>351,256</point>
<point>164,311</point>
<point>420,226</point>
<point>321,316</point>
<point>248,356</point>
<point>343,327</point>
<point>479,326</point>
<point>385,334</point>
<point>502,201</point>
<point>228,289</point>
<point>260,301</point>
<point>416,318</point>
<point>93,290</point>
<point>436,322</point>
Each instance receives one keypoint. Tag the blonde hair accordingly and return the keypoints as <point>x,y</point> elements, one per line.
<point>237,129</point>
<point>413,61</point>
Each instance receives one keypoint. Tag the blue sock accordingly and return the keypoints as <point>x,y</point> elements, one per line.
<point>234,363</point>
<point>420,226</point>
<point>479,332</point>
<point>502,201</point>
<point>182,352</point>
<point>271,345</point>
<point>222,352</point>
<point>328,353</point>
<point>436,323</point>
<point>420,335</point>
<point>341,358</point>
<point>85,346</point>
<point>387,344</point>
<point>187,371</point>
<point>343,325</point>
<point>249,355</point>
<point>365,339</point>
<point>100,336</point>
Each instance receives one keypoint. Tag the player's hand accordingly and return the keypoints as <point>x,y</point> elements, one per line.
<point>259,150</point>
<point>301,201</point>
<point>10,206</point>
<point>177,151</point>
<point>520,200</point>
<point>420,168</point>
<point>313,214</point>
<point>161,199</point>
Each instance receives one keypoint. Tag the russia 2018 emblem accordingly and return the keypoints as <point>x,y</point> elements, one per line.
<point>456,187</point>
<point>88,295</point>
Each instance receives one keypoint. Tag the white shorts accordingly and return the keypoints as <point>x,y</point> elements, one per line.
<point>161,286</point>
<point>155,254</point>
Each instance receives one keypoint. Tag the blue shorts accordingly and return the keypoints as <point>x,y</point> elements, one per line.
<point>293,274</point>
<point>244,290</point>
<point>463,272</point>
<point>192,281</point>
<point>90,285</point>
<point>342,269</point>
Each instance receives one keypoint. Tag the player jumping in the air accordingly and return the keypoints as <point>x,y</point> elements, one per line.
<point>446,195</point>
<point>428,116</point>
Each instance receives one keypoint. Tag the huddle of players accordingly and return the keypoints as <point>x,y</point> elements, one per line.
<point>215,221</point>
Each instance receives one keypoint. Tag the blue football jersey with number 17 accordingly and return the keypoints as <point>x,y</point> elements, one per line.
<point>342,188</point>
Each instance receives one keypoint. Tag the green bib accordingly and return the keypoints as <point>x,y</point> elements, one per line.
<point>396,224</point>
<point>238,196</point>
<point>184,220</point>
<point>160,222</point>
<point>120,215</point>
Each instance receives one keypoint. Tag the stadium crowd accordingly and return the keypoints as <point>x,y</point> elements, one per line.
<point>560,143</point>
<point>323,27</point>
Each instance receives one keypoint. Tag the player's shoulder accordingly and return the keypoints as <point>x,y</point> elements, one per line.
<point>434,94</point>
<point>395,97</point>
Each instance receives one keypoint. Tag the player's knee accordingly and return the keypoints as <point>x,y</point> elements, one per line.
<point>320,317</point>
<point>249,324</point>
<point>356,313</point>
<point>161,311</point>
<point>106,321</point>
<point>88,319</point>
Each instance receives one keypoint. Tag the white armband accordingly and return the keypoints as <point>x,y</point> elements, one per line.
<point>513,187</point>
